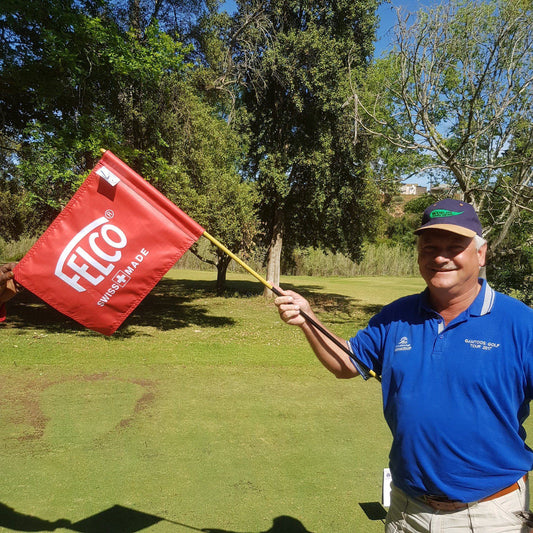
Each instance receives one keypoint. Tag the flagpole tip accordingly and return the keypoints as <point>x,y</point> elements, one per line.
<point>103,150</point>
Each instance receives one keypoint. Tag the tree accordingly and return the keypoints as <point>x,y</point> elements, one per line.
<point>199,172</point>
<point>179,140</point>
<point>55,87</point>
<point>511,267</point>
<point>80,76</point>
<point>294,62</point>
<point>457,90</point>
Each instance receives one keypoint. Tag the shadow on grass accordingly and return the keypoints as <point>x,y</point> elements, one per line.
<point>11,519</point>
<point>374,510</point>
<point>172,304</point>
<point>333,304</point>
<point>118,519</point>
<point>280,524</point>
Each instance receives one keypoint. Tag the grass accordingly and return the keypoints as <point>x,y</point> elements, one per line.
<point>201,413</point>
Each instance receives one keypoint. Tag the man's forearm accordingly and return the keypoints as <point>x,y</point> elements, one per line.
<point>328,353</point>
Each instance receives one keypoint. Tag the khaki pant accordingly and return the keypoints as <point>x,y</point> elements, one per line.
<point>407,515</point>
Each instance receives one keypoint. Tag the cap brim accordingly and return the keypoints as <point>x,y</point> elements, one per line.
<point>465,232</point>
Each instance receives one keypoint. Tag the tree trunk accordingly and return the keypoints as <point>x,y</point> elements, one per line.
<point>222,268</point>
<point>274,252</point>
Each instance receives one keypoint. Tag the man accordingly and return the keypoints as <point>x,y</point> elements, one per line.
<point>8,287</point>
<point>457,376</point>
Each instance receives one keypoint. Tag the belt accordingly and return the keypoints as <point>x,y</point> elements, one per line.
<point>442,503</point>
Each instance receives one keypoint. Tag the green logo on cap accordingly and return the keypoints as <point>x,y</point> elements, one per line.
<point>441,213</point>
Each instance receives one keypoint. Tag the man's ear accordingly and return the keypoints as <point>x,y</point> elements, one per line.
<point>482,255</point>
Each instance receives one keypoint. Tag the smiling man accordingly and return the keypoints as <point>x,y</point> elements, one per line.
<point>457,376</point>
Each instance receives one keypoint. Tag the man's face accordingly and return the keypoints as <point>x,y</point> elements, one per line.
<point>448,261</point>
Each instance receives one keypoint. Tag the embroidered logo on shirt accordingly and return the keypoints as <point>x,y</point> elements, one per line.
<point>481,345</point>
<point>403,345</point>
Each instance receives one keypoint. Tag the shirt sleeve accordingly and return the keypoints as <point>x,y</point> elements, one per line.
<point>370,344</point>
<point>367,344</point>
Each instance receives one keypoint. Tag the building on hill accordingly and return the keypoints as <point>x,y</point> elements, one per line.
<point>445,191</point>
<point>412,189</point>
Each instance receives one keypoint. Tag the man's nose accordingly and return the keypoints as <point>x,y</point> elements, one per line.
<point>442,255</point>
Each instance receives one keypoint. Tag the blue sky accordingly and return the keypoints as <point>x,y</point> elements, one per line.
<point>388,18</point>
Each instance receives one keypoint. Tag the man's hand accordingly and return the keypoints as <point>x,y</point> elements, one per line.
<point>289,305</point>
<point>8,286</point>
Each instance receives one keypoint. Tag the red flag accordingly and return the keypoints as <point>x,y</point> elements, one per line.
<point>115,239</point>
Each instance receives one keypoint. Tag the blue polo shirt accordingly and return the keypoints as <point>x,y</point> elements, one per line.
<point>454,396</point>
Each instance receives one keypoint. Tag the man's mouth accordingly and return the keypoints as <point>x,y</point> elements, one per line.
<point>446,269</point>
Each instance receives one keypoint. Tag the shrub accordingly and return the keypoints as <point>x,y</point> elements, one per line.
<point>15,250</point>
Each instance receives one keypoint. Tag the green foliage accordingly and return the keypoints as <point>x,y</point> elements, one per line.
<point>399,228</point>
<point>512,275</point>
<point>90,76</point>
<point>14,250</point>
<point>79,84</point>
<point>378,260</point>
<point>510,270</point>
<point>196,167</point>
<point>455,94</point>
<point>418,205</point>
<point>16,217</point>
<point>56,87</point>
<point>310,173</point>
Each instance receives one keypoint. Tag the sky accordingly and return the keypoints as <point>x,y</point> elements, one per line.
<point>388,18</point>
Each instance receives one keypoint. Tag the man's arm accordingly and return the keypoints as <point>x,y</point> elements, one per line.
<point>328,353</point>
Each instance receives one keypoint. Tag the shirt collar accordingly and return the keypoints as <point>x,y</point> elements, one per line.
<point>484,301</point>
<point>482,305</point>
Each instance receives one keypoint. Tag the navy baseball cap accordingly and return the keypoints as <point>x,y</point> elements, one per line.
<point>451,215</point>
